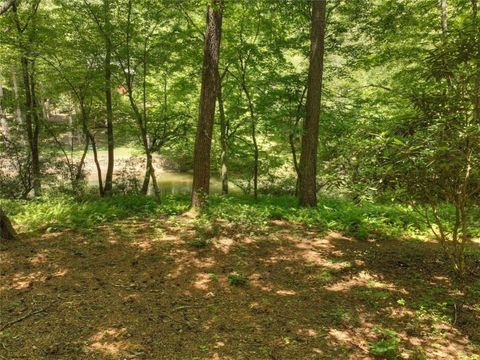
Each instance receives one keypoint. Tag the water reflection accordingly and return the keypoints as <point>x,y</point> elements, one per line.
<point>174,183</point>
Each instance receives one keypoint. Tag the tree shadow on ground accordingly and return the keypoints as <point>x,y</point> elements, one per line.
<point>150,290</point>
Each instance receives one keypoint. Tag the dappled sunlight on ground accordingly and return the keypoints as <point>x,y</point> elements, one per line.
<point>108,341</point>
<point>364,279</point>
<point>147,290</point>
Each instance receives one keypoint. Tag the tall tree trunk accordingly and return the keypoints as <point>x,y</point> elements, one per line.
<point>255,157</point>
<point>32,122</point>
<point>308,159</point>
<point>35,134</point>
<point>108,100</point>
<point>208,96</point>
<point>476,91</point>
<point>223,140</point>
<point>6,229</point>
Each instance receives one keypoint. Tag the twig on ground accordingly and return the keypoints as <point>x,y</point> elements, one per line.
<point>10,323</point>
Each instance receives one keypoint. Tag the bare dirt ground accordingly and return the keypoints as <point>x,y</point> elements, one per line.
<point>140,290</point>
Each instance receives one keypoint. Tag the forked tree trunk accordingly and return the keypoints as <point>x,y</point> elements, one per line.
<point>208,96</point>
<point>308,158</point>
<point>6,229</point>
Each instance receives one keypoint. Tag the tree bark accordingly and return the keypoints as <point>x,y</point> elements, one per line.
<point>108,101</point>
<point>443,5</point>
<point>208,96</point>
<point>6,229</point>
<point>308,158</point>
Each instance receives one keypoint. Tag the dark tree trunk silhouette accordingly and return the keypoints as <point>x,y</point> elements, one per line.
<point>308,159</point>
<point>6,229</point>
<point>208,96</point>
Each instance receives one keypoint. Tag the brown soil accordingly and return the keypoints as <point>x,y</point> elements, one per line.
<point>140,290</point>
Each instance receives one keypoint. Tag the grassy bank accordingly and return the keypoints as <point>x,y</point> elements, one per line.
<point>362,221</point>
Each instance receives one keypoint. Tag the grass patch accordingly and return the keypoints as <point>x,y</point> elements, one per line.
<point>362,221</point>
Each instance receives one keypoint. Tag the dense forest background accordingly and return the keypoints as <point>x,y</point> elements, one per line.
<point>365,113</point>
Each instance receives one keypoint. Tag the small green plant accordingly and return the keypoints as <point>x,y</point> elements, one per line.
<point>236,279</point>
<point>198,243</point>
<point>388,345</point>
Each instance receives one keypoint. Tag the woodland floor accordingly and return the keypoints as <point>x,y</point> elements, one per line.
<point>140,290</point>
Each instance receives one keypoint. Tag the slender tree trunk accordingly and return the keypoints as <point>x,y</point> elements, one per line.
<point>142,123</point>
<point>291,141</point>
<point>150,174</point>
<point>6,229</point>
<point>35,134</point>
<point>255,158</point>
<point>476,91</point>
<point>223,140</point>
<point>292,138</point>
<point>108,101</point>
<point>18,110</point>
<point>3,119</point>
<point>149,168</point>
<point>78,176</point>
<point>32,124</point>
<point>208,96</point>
<point>443,5</point>
<point>308,158</point>
<point>97,164</point>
